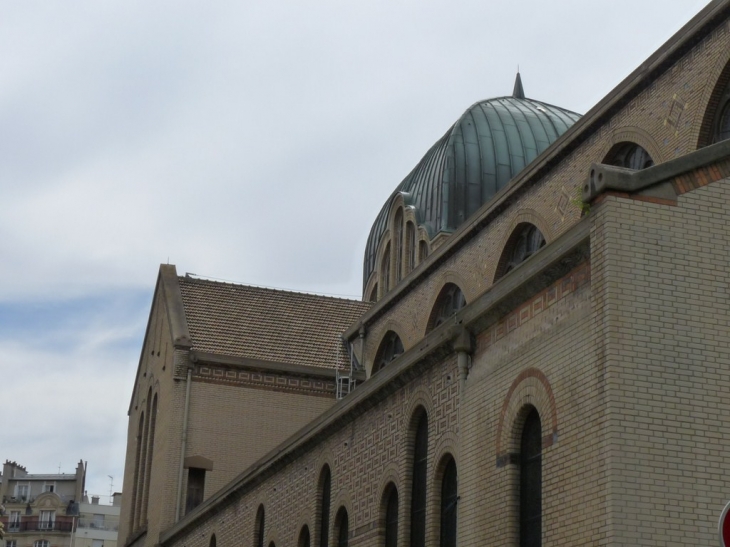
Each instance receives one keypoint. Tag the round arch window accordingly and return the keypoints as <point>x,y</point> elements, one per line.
<point>390,348</point>
<point>629,155</point>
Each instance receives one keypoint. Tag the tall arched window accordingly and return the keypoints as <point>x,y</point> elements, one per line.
<point>398,243</point>
<point>150,449</point>
<point>391,518</point>
<point>390,348</point>
<point>136,492</point>
<point>325,481</point>
<point>422,251</point>
<point>343,527</point>
<point>411,245</point>
<point>531,481</point>
<point>629,155</point>
<point>418,483</point>
<point>525,241</point>
<point>385,271</point>
<point>259,528</point>
<point>449,301</point>
<point>303,537</point>
<point>212,541</point>
<point>449,498</point>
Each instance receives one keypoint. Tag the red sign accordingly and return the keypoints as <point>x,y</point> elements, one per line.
<point>723,527</point>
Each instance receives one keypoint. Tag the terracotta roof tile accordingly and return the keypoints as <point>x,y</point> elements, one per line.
<point>268,324</point>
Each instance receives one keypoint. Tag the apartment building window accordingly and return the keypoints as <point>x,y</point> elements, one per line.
<point>11,543</point>
<point>49,487</point>
<point>47,519</point>
<point>97,543</point>
<point>14,521</point>
<point>41,543</point>
<point>21,491</point>
<point>98,521</point>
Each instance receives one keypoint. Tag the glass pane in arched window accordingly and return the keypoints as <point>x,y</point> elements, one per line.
<point>391,519</point>
<point>723,125</point>
<point>343,528</point>
<point>418,485</point>
<point>411,242</point>
<point>531,482</point>
<point>304,537</point>
<point>449,498</point>
<point>450,300</point>
<point>324,514</point>
<point>390,348</point>
<point>529,241</point>
<point>260,521</point>
<point>385,270</point>
<point>629,155</point>
<point>398,240</point>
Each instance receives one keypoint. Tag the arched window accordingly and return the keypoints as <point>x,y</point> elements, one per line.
<point>411,245</point>
<point>449,301</point>
<point>449,498</point>
<point>150,449</point>
<point>212,541</point>
<point>325,489</point>
<point>398,240</point>
<point>136,492</point>
<point>422,251</point>
<point>391,517</point>
<point>385,271</point>
<point>374,294</point>
<point>716,121</point>
<point>343,529</point>
<point>41,543</point>
<point>272,544</point>
<point>525,241</point>
<point>418,483</point>
<point>629,155</point>
<point>531,481</point>
<point>259,528</point>
<point>390,348</point>
<point>303,537</point>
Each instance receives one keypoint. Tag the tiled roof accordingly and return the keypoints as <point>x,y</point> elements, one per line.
<point>267,324</point>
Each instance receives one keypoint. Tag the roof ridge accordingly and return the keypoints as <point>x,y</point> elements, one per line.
<point>188,278</point>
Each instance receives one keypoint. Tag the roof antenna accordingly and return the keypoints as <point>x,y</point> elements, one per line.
<point>518,92</point>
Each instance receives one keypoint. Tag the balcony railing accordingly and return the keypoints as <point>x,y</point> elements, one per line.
<point>35,524</point>
<point>111,525</point>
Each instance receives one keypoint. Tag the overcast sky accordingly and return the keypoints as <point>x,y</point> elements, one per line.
<point>246,141</point>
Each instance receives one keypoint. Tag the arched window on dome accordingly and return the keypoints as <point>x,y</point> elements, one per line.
<point>390,348</point>
<point>385,271</point>
<point>422,251</point>
<point>629,155</point>
<point>411,245</point>
<point>398,244</point>
<point>525,241</point>
<point>449,301</point>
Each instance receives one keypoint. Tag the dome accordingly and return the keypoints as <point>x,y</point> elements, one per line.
<point>491,142</point>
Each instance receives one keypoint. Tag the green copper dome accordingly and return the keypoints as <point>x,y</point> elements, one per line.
<point>491,142</point>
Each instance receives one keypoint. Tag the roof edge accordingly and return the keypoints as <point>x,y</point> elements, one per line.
<point>532,276</point>
<point>175,308</point>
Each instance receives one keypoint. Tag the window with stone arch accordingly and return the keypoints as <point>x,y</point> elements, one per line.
<point>525,241</point>
<point>530,491</point>
<point>385,271</point>
<point>389,508</point>
<point>449,301</point>
<point>342,527</point>
<point>716,121</point>
<point>212,542</point>
<point>323,512</point>
<point>419,479</point>
<point>304,538</point>
<point>398,243</point>
<point>449,499</point>
<point>411,245</point>
<point>259,527</point>
<point>390,348</point>
<point>629,155</point>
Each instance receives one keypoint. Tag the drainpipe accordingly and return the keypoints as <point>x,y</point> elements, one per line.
<point>183,445</point>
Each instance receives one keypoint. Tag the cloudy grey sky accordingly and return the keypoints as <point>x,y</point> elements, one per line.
<point>246,141</point>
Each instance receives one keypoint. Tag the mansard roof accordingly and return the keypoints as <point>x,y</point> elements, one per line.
<point>267,324</point>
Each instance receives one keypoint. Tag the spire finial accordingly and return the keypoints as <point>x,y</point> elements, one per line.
<point>518,92</point>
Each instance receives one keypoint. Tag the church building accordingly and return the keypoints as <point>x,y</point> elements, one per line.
<point>541,355</point>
